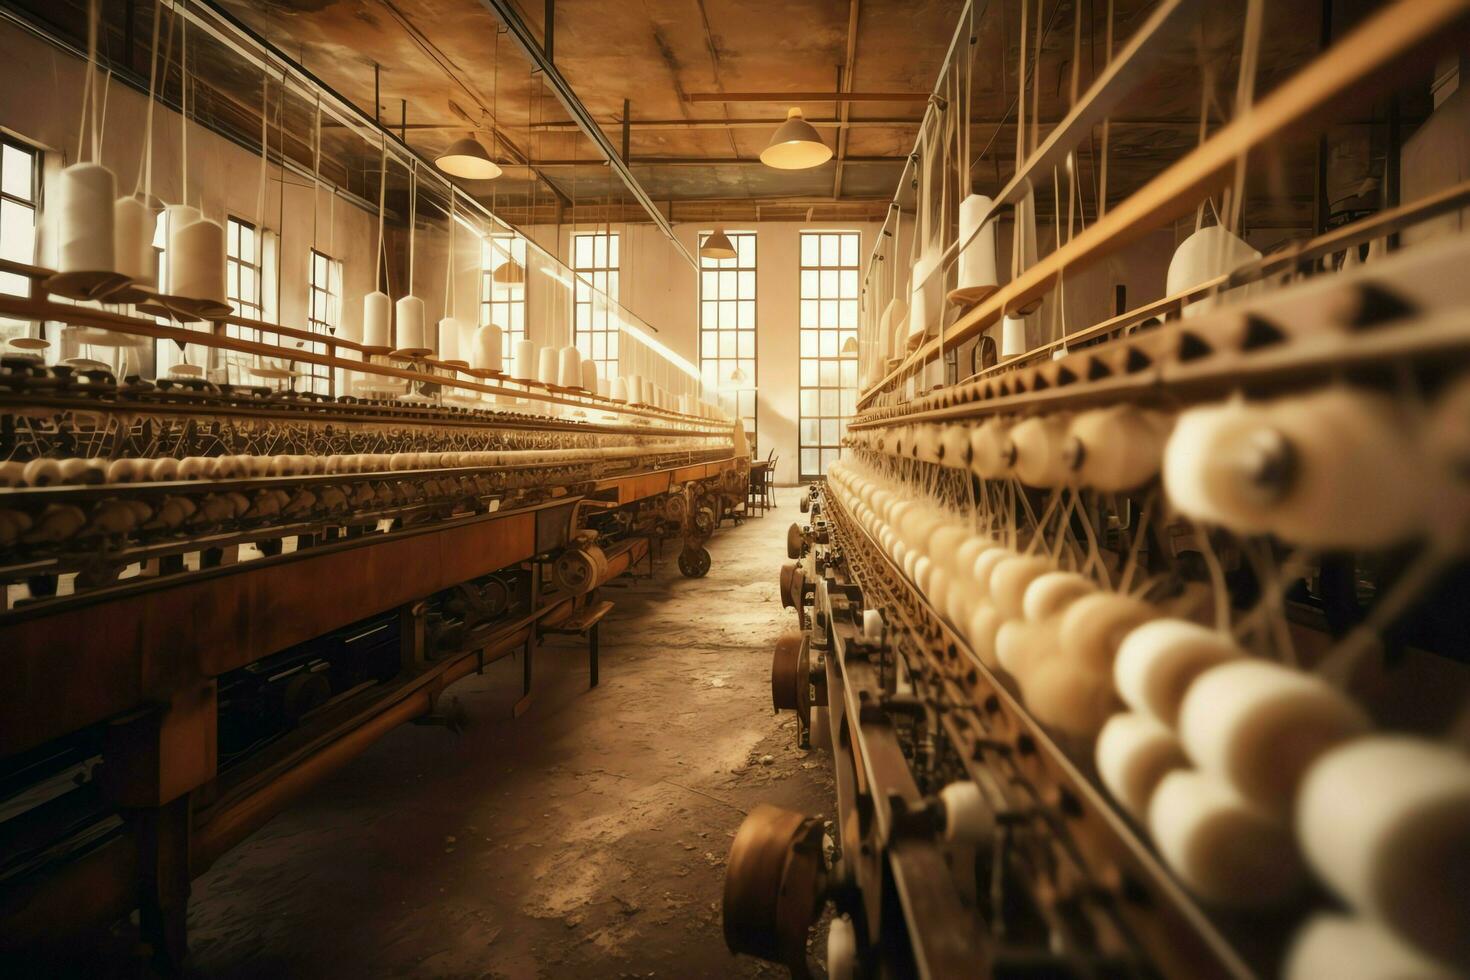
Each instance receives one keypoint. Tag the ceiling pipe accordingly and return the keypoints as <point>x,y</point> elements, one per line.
<point>511,18</point>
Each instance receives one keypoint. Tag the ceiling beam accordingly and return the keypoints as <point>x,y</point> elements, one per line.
<point>563,126</point>
<point>788,98</point>
<point>521,31</point>
<point>844,82</point>
<point>682,162</point>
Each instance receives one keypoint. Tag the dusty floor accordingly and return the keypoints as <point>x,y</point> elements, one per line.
<point>586,839</point>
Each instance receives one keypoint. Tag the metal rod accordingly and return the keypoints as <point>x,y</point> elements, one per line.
<point>794,97</point>
<point>519,30</point>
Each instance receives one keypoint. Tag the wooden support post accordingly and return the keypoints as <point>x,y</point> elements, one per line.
<point>162,835</point>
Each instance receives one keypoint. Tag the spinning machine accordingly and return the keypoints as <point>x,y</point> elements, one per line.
<point>1140,651</point>
<point>214,592</point>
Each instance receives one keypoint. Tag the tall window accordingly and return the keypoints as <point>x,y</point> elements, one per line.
<point>595,260</point>
<point>20,192</point>
<point>727,359</point>
<point>503,288</point>
<point>829,317</point>
<point>323,315</point>
<point>243,266</point>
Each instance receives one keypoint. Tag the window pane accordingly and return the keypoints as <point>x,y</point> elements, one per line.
<point>850,249</point>
<point>830,252</point>
<point>810,254</point>
<point>17,231</point>
<point>18,169</point>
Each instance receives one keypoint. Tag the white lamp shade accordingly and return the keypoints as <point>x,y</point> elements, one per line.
<point>796,145</point>
<point>467,158</point>
<point>376,318</point>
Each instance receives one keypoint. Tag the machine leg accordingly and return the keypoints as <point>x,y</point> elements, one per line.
<point>592,655</point>
<point>524,703</point>
<point>163,881</point>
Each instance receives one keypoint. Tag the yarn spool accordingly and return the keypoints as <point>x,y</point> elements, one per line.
<point>1347,948</point>
<point>1356,480</point>
<point>449,333</point>
<point>619,390</point>
<point>1115,449</point>
<point>523,364</point>
<point>1019,645</point>
<point>991,452</point>
<point>1134,753</point>
<point>981,629</point>
<point>548,360</point>
<point>1012,336</point>
<point>1385,821</point>
<point>985,565</point>
<point>1203,462</point>
<point>1011,577</point>
<point>1051,593</point>
<point>1207,254</point>
<point>968,818</point>
<point>954,446</point>
<point>591,382</point>
<point>1158,661</point>
<point>919,311</point>
<point>892,323</point>
<point>1094,626</point>
<point>926,443</point>
<point>944,543</point>
<point>196,263</point>
<point>86,259</point>
<point>1260,726</point>
<point>1040,445</point>
<point>1221,847</point>
<point>377,321</point>
<point>976,276</point>
<point>409,313</point>
<point>133,225</point>
<point>1062,694</point>
<point>488,347</point>
<point>569,368</point>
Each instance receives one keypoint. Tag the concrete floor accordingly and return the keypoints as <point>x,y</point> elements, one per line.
<point>586,839</point>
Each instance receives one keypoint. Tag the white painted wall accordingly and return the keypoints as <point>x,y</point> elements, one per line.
<point>660,287</point>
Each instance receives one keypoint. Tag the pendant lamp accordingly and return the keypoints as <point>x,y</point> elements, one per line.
<point>717,246</point>
<point>796,145</point>
<point>738,376</point>
<point>467,158</point>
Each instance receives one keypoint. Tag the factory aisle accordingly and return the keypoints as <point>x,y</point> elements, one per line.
<point>586,839</point>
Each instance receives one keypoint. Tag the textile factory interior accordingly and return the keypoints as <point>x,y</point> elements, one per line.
<point>741,521</point>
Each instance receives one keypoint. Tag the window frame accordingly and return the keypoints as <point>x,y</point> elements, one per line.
<point>514,302</point>
<point>23,286</point>
<point>591,279</point>
<point>832,393</point>
<point>715,368</point>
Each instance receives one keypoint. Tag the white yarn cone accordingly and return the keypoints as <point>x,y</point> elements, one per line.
<point>546,369</point>
<point>1204,255</point>
<point>569,367</point>
<point>618,392</point>
<point>196,261</point>
<point>524,363</point>
<point>485,354</point>
<point>133,252</point>
<point>376,319</point>
<point>409,312</point>
<point>977,261</point>
<point>1012,337</point>
<point>919,309</point>
<point>589,375</point>
<point>449,331</point>
<point>86,196</point>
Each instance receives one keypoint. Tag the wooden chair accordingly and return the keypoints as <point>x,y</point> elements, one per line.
<point>770,482</point>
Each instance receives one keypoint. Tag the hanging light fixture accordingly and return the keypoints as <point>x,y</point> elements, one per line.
<point>717,246</point>
<point>738,376</point>
<point>796,145</point>
<point>468,159</point>
<point>850,345</point>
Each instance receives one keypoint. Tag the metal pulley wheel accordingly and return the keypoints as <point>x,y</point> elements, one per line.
<point>578,570</point>
<point>775,881</point>
<point>795,542</point>
<point>694,562</point>
<point>790,582</point>
<point>788,671</point>
<point>806,504</point>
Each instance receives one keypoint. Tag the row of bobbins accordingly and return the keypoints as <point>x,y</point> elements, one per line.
<point>1217,749</point>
